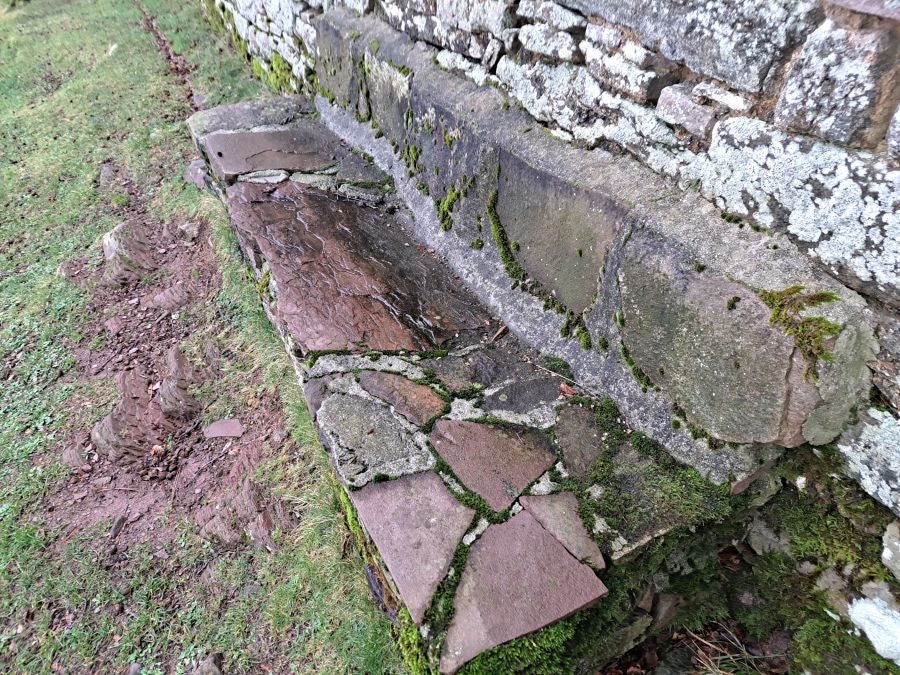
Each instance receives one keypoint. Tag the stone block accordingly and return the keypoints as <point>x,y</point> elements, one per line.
<point>872,452</point>
<point>540,38</point>
<point>616,71</point>
<point>676,106</point>
<point>558,513</point>
<point>835,87</point>
<point>551,13</point>
<point>475,16</point>
<point>739,43</point>
<point>886,9</point>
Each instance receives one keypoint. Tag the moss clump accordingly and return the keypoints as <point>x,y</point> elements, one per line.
<point>410,156</point>
<point>559,366</point>
<point>823,645</point>
<point>638,374</point>
<point>809,332</point>
<point>699,267</point>
<point>446,205</point>
<point>732,302</point>
<point>542,652</point>
<point>512,266</point>
<point>411,645</point>
<point>603,342</point>
<point>262,286</point>
<point>584,338</point>
<point>423,188</point>
<point>732,218</point>
<point>478,244</point>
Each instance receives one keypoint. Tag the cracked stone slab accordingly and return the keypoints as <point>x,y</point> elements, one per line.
<point>345,276</point>
<point>518,579</point>
<point>416,402</point>
<point>416,524</point>
<point>366,440</point>
<point>579,438</point>
<point>496,462</point>
<point>528,401</point>
<point>247,115</point>
<point>558,514</point>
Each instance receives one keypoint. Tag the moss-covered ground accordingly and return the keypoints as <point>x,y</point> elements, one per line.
<point>82,82</point>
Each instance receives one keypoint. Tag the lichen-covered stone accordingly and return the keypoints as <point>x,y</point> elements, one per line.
<point>872,453</point>
<point>735,42</point>
<point>615,70</point>
<point>541,38</point>
<point>835,85</point>
<point>550,12</point>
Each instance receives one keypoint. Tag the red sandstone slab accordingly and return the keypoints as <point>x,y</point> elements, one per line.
<point>496,462</point>
<point>347,276</point>
<point>558,513</point>
<point>518,579</point>
<point>304,147</point>
<point>230,428</point>
<point>415,402</point>
<point>416,524</point>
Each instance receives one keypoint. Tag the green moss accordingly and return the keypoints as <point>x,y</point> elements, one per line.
<point>422,187</point>
<point>584,338</point>
<point>262,286</point>
<point>446,205</point>
<point>410,156</point>
<point>809,332</point>
<point>374,47</point>
<point>699,267</point>
<point>513,269</point>
<point>732,218</point>
<point>477,244</point>
<point>823,645</point>
<point>411,645</point>
<point>732,302</point>
<point>559,366</point>
<point>619,318</point>
<point>603,342</point>
<point>541,653</point>
<point>638,374</point>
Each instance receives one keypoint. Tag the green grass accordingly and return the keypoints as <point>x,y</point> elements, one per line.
<point>82,82</point>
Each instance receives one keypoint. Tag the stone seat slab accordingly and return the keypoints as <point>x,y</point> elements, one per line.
<point>518,579</point>
<point>495,462</point>
<point>416,524</point>
<point>347,277</point>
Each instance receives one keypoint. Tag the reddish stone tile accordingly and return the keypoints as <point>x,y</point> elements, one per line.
<point>496,462</point>
<point>416,524</point>
<point>558,513</point>
<point>415,402</point>
<point>230,428</point>
<point>518,579</point>
<point>346,276</point>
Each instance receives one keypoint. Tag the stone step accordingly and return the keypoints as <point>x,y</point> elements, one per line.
<point>489,485</point>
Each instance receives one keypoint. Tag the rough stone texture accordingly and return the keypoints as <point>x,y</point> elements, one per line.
<point>566,257</point>
<point>551,13</point>
<point>872,452</point>
<point>347,296</point>
<point>366,440</point>
<point>680,331</point>
<point>834,87</point>
<point>275,111</point>
<point>534,582</point>
<point>416,524</point>
<point>615,70</point>
<point>525,400</point>
<point>415,402</point>
<point>735,42</point>
<point>495,462</point>
<point>544,39</point>
<point>881,624</point>
<point>230,428</point>
<point>578,436</point>
<point>558,513</point>
<point>893,135</point>
<point>676,106</point>
<point>888,9</point>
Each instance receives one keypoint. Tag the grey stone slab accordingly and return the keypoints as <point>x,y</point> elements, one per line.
<point>518,579</point>
<point>676,106</point>
<point>307,148</point>
<point>887,9</point>
<point>367,441</point>
<point>579,438</point>
<point>495,462</point>
<point>558,513</point>
<point>246,115</point>
<point>416,402</point>
<point>347,277</point>
<point>870,450</point>
<point>416,525</point>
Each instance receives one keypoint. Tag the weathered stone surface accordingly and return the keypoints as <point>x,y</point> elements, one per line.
<point>518,579</point>
<point>888,9</point>
<point>495,462</point>
<point>615,70</point>
<point>736,374</point>
<point>735,42</point>
<point>550,12</point>
<point>525,400</point>
<point>296,148</point>
<point>127,254</point>
<point>578,436</point>
<point>838,205</point>
<point>836,83</point>
<point>893,135</point>
<point>872,452</point>
<point>482,367</point>
<point>275,111</point>
<point>676,106</point>
<point>336,276</point>
<point>366,440</point>
<point>416,524</point>
<point>475,16</point>
<point>563,232</point>
<point>415,402</point>
<point>558,513</point>
<point>705,92</point>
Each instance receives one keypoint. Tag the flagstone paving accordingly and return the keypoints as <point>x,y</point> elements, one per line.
<point>428,411</point>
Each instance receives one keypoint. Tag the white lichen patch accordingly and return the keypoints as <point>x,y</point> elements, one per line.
<point>872,453</point>
<point>880,623</point>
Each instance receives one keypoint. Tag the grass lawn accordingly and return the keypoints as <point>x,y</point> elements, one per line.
<point>82,82</point>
